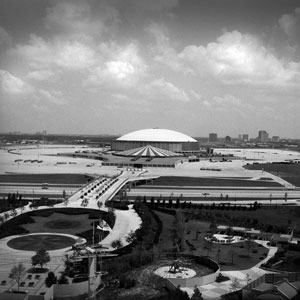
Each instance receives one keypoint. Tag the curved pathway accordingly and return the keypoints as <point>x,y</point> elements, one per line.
<point>125,222</point>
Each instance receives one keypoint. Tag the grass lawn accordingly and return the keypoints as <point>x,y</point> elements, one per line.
<point>167,234</point>
<point>289,262</point>
<point>288,172</point>
<point>41,241</point>
<point>231,257</point>
<point>76,221</point>
<point>264,218</point>
<point>204,181</point>
<point>225,254</point>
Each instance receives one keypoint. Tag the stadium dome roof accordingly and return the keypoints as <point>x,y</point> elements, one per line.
<point>156,135</point>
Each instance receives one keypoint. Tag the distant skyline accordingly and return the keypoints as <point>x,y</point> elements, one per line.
<point>116,66</point>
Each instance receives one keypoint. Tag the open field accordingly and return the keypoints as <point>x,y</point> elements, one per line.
<point>289,172</point>
<point>41,159</point>
<point>177,181</point>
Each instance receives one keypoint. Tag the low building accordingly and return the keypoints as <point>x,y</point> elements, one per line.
<point>283,290</point>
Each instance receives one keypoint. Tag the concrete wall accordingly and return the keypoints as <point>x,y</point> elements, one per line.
<point>198,280</point>
<point>36,297</point>
<point>49,294</point>
<point>191,282</point>
<point>75,289</point>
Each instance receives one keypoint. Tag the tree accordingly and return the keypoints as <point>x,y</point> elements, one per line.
<point>213,227</point>
<point>249,245</point>
<point>208,245</point>
<point>218,255</point>
<point>235,285</point>
<point>62,279</point>
<point>40,258</point>
<point>99,204</point>
<point>13,212</point>
<point>231,253</point>
<point>197,294</point>
<point>131,237</point>
<point>17,273</point>
<point>50,279</point>
<point>230,231</point>
<point>66,201</point>
<point>117,244</point>
<point>6,216</point>
<point>178,294</point>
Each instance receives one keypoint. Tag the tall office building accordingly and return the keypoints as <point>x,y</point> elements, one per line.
<point>212,137</point>
<point>263,136</point>
<point>245,137</point>
<point>227,139</point>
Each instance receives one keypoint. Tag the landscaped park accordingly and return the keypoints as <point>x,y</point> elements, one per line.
<point>181,216</point>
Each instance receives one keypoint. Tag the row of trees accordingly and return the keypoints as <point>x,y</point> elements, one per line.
<point>179,203</point>
<point>12,201</point>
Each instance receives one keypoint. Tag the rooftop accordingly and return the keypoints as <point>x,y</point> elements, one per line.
<point>156,135</point>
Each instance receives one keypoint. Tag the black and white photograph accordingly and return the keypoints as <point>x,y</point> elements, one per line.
<point>149,149</point>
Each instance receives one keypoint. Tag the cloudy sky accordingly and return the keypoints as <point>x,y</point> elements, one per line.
<point>115,66</point>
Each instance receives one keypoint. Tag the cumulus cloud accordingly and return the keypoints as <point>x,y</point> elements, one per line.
<point>155,5</point>
<point>163,51</point>
<point>118,67</point>
<point>41,75</point>
<point>54,96</point>
<point>5,38</point>
<point>234,58</point>
<point>16,87</point>
<point>13,85</point>
<point>78,19</point>
<point>166,90</point>
<point>42,54</point>
<point>290,24</point>
<point>226,100</point>
<point>75,55</point>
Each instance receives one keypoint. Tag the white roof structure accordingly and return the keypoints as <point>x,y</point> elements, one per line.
<point>148,151</point>
<point>156,135</point>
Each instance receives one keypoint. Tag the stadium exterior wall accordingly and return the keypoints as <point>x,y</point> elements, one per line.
<point>170,146</point>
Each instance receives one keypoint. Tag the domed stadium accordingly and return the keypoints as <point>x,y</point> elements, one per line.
<point>151,142</point>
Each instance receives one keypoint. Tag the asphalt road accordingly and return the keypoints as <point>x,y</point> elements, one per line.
<point>207,193</point>
<point>36,190</point>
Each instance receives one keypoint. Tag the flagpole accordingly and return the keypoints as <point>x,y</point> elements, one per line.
<point>101,230</point>
<point>93,233</point>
